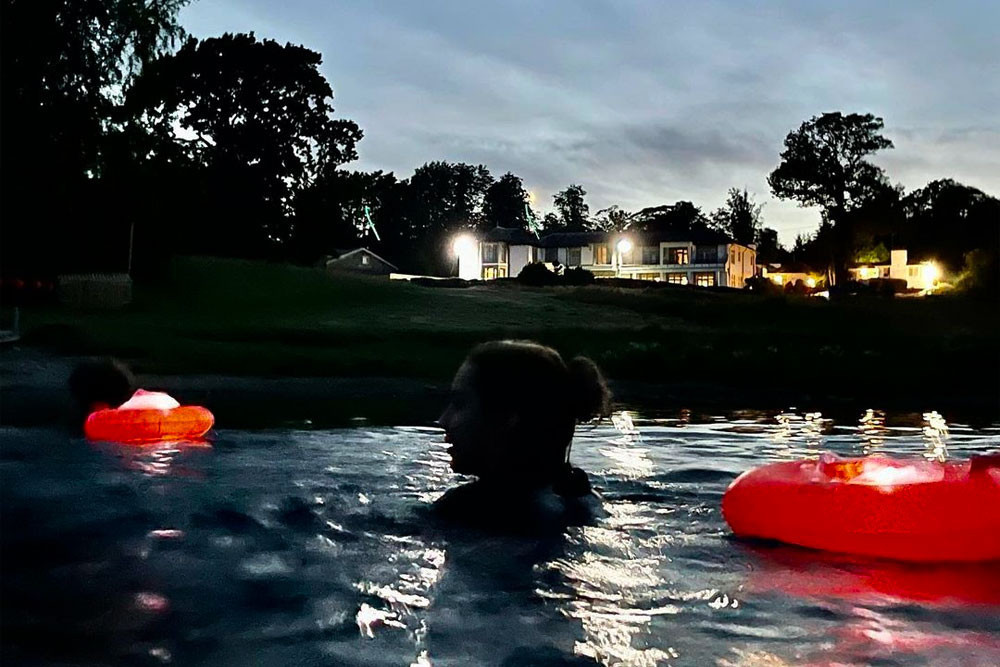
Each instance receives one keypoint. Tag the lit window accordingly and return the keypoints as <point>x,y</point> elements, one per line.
<point>704,279</point>
<point>601,254</point>
<point>364,260</point>
<point>677,256</point>
<point>677,278</point>
<point>490,253</point>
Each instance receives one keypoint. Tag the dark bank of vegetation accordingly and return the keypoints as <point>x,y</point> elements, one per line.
<point>118,129</point>
<point>257,319</point>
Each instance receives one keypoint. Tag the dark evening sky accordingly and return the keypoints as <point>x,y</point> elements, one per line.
<point>646,103</point>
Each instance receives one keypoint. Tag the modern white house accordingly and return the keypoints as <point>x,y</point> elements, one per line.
<point>700,257</point>
<point>921,276</point>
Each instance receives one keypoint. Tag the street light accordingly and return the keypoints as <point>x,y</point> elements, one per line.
<point>466,251</point>
<point>463,244</point>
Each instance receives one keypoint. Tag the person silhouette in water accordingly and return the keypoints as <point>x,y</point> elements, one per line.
<point>510,422</point>
<point>99,384</point>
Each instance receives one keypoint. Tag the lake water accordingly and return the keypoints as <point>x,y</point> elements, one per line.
<point>314,547</point>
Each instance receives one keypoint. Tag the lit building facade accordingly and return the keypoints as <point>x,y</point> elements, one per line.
<point>702,257</point>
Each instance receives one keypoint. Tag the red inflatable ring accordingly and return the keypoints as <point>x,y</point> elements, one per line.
<point>919,511</point>
<point>147,417</point>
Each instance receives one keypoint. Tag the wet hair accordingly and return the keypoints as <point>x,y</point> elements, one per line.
<point>106,381</point>
<point>544,397</point>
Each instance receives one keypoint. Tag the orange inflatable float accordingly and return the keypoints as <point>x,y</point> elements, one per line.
<point>149,416</point>
<point>920,511</point>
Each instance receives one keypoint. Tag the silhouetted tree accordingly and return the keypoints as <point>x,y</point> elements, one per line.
<point>944,220</point>
<point>739,217</point>
<point>572,209</point>
<point>255,116</point>
<point>442,199</point>
<point>505,203</point>
<point>612,219</point>
<point>769,249</point>
<point>680,217</point>
<point>824,165</point>
<point>551,223</point>
<point>64,65</point>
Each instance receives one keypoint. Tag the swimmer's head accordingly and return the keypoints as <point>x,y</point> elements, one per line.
<point>513,409</point>
<point>101,383</point>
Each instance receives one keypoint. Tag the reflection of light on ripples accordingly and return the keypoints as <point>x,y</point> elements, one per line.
<point>415,565</point>
<point>616,587</point>
<point>798,435</point>
<point>629,462</point>
<point>622,422</point>
<point>872,430</point>
<point>935,436</point>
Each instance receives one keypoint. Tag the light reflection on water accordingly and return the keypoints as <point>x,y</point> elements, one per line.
<point>291,547</point>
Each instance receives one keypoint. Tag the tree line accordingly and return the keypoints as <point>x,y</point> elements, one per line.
<point>120,131</point>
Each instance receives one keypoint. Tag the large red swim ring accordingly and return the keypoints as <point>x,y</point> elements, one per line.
<point>149,417</point>
<point>919,511</point>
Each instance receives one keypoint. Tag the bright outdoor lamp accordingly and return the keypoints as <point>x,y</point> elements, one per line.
<point>624,246</point>
<point>931,272</point>
<point>463,244</point>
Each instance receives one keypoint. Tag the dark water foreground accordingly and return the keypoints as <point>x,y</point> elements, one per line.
<point>302,547</point>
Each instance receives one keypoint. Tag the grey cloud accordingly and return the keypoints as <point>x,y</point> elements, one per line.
<point>644,102</point>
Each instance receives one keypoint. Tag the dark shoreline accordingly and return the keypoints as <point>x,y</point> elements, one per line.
<point>33,393</point>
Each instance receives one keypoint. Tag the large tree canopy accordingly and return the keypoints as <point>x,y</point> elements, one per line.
<point>506,203</point>
<point>257,117</point>
<point>824,164</point>
<point>572,209</point>
<point>680,217</point>
<point>945,220</point>
<point>442,199</point>
<point>65,63</point>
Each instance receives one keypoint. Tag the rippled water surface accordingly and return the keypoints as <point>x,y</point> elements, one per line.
<point>296,547</point>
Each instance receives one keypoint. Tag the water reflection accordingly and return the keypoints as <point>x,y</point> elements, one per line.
<point>157,459</point>
<point>936,436</point>
<point>798,435</point>
<point>872,431</point>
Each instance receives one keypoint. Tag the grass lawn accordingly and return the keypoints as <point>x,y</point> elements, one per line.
<point>253,318</point>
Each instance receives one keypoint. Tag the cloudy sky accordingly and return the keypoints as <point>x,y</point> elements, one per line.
<point>646,103</point>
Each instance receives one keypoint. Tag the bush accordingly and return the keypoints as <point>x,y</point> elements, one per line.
<point>981,273</point>
<point>577,276</point>
<point>537,274</point>
<point>762,285</point>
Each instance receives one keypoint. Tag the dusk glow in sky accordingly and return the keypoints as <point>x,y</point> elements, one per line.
<point>646,103</point>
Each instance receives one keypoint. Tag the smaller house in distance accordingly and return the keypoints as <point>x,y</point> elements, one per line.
<point>791,273</point>
<point>919,276</point>
<point>360,260</point>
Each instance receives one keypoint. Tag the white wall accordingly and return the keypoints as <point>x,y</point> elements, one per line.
<point>519,257</point>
